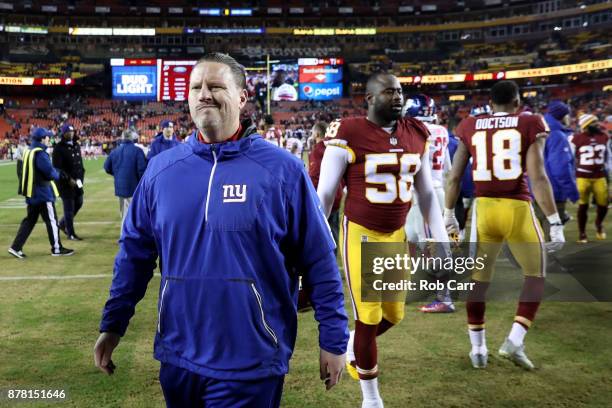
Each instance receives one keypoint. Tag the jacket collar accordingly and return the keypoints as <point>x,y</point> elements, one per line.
<point>38,144</point>
<point>161,137</point>
<point>225,150</point>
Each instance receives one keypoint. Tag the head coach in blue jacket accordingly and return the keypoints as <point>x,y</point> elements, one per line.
<point>234,221</point>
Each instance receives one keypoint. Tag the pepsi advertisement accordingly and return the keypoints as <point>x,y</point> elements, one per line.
<point>320,79</point>
<point>320,92</point>
<point>135,82</point>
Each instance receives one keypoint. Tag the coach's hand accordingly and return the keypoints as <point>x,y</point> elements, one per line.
<point>331,366</point>
<point>103,351</point>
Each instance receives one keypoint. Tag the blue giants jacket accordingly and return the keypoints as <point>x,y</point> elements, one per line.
<point>559,161</point>
<point>127,164</point>
<point>233,225</point>
<point>467,184</point>
<point>160,144</point>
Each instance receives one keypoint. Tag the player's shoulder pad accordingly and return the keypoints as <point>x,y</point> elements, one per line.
<point>340,133</point>
<point>342,130</point>
<point>537,119</point>
<point>419,128</point>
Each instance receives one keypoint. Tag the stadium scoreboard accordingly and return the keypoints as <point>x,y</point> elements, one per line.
<point>158,79</point>
<point>320,79</point>
<point>151,79</point>
<point>173,84</point>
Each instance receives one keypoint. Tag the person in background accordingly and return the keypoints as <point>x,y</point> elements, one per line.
<point>67,158</point>
<point>19,153</point>
<point>164,140</point>
<point>126,164</point>
<point>591,146</point>
<point>38,186</point>
<point>314,169</point>
<point>294,146</point>
<point>559,159</point>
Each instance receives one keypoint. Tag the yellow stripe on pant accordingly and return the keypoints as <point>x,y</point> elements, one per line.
<point>499,220</point>
<point>352,236</point>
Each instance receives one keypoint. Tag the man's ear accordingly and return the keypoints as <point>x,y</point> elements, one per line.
<point>244,97</point>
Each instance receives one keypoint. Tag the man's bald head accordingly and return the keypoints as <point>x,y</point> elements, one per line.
<point>378,81</point>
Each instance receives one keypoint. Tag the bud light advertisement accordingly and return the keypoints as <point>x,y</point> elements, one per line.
<point>134,82</point>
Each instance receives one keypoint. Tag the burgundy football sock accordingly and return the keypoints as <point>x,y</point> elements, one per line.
<point>366,353</point>
<point>383,326</point>
<point>476,306</point>
<point>582,219</point>
<point>601,214</point>
<point>529,302</point>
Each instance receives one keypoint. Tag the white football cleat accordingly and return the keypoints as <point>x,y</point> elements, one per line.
<point>479,360</point>
<point>372,403</point>
<point>516,354</point>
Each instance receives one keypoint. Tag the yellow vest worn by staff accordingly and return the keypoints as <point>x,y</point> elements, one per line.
<point>28,173</point>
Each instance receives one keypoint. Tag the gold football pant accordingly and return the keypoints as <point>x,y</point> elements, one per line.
<point>597,186</point>
<point>367,312</point>
<point>499,220</point>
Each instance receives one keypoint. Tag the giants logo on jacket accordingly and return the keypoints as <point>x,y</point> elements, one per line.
<point>234,193</point>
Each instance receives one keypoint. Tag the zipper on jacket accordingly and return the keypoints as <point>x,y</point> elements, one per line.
<point>212,174</point>
<point>161,307</point>
<point>263,316</point>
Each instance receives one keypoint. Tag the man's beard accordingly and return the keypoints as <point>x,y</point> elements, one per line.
<point>388,115</point>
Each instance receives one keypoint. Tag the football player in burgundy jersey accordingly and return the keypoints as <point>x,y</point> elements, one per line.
<point>591,149</point>
<point>505,147</point>
<point>383,159</point>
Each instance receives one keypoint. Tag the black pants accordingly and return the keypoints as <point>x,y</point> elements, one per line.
<point>49,216</point>
<point>19,171</point>
<point>72,205</point>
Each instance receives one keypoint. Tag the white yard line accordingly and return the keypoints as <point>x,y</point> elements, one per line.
<point>57,277</point>
<point>76,223</point>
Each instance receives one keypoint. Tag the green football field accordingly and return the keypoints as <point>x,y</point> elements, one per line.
<point>48,327</point>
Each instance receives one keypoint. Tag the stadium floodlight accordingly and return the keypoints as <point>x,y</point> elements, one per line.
<point>209,11</point>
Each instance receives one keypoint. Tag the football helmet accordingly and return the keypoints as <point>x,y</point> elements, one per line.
<point>421,107</point>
